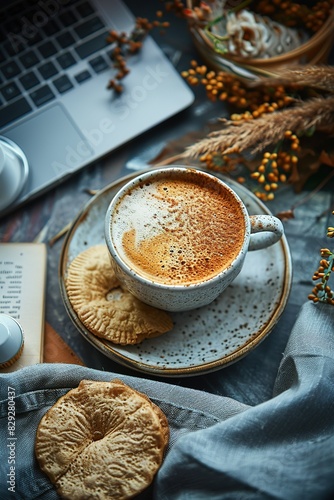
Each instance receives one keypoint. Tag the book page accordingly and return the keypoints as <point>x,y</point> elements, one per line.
<point>22,295</point>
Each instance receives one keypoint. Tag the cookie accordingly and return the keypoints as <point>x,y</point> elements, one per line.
<point>102,440</point>
<point>105,308</point>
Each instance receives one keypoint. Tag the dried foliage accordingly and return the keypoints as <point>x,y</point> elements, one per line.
<point>257,135</point>
<point>316,77</point>
<point>322,292</point>
<point>287,118</point>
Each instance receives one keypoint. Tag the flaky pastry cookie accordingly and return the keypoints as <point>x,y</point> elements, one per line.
<point>101,440</point>
<point>104,307</point>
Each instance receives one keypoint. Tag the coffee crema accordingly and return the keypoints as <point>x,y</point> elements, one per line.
<point>180,230</point>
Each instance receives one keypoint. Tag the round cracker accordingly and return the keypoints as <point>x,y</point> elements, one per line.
<point>102,440</point>
<point>105,308</point>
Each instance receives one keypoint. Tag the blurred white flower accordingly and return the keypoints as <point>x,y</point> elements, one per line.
<point>254,36</point>
<point>247,38</point>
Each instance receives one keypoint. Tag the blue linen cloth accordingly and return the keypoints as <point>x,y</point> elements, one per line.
<point>219,448</point>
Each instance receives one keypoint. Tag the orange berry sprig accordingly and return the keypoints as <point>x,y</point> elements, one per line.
<point>276,167</point>
<point>218,162</point>
<point>127,45</point>
<point>322,292</point>
<point>249,104</point>
<point>176,7</point>
<point>310,17</point>
<point>221,86</point>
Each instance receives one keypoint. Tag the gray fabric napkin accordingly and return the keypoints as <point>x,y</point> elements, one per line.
<point>219,448</point>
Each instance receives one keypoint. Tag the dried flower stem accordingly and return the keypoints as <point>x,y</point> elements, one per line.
<point>322,291</point>
<point>315,77</point>
<point>258,134</point>
<point>127,45</point>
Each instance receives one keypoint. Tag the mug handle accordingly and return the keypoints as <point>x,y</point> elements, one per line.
<point>265,231</point>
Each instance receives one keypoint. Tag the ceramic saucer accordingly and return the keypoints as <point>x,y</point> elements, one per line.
<point>205,339</point>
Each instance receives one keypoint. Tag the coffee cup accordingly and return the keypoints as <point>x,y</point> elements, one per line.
<point>178,236</point>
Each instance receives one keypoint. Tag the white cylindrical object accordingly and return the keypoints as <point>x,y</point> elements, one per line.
<point>11,341</point>
<point>14,171</point>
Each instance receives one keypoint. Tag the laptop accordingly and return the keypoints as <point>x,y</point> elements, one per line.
<point>54,103</point>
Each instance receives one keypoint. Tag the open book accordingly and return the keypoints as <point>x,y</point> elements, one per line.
<point>22,295</point>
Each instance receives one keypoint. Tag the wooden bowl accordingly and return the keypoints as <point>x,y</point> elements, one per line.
<point>312,52</point>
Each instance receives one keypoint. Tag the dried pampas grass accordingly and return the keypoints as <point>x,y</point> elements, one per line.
<point>316,77</point>
<point>314,113</point>
<point>256,135</point>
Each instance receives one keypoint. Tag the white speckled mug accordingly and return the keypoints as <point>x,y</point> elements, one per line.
<point>178,236</point>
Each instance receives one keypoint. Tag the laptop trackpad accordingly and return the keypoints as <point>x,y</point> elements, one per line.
<point>53,144</point>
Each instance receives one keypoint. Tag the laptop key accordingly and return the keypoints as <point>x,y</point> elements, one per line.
<point>13,111</point>
<point>89,27</point>
<point>51,28</point>
<point>37,38</point>
<point>66,60</point>
<point>33,17</point>
<point>13,26</point>
<point>29,80</point>
<point>88,48</point>
<point>65,39</point>
<point>10,69</point>
<point>42,95</point>
<point>67,18</point>
<point>47,70</point>
<point>47,49</point>
<point>62,84</point>
<point>29,59</point>
<point>99,64</point>
<point>10,91</point>
<point>14,44</point>
<point>83,76</point>
<point>85,9</point>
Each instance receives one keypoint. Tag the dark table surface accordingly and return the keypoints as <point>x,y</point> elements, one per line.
<point>251,379</point>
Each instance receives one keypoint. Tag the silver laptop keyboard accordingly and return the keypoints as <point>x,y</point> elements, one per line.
<point>39,42</point>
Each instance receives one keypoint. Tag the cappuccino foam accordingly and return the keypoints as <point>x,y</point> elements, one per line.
<point>179,230</point>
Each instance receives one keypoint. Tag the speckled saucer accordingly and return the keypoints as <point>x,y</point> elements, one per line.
<point>205,339</point>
